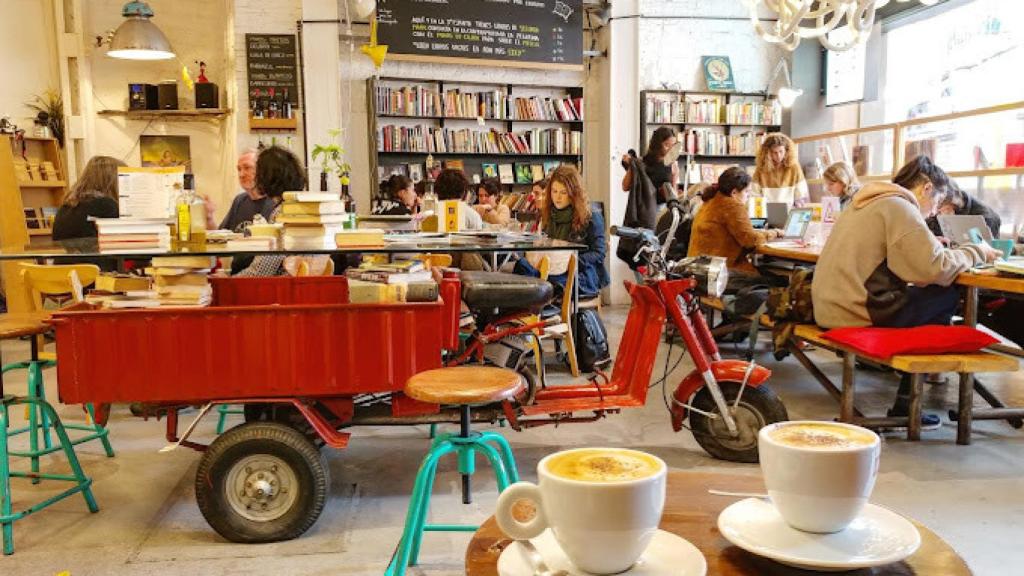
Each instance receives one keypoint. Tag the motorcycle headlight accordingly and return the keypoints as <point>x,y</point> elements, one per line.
<point>710,272</point>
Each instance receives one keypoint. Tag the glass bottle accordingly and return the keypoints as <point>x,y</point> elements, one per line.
<point>183,212</point>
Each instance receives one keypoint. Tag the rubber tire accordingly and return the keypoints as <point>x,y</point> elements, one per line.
<point>762,401</point>
<point>273,438</point>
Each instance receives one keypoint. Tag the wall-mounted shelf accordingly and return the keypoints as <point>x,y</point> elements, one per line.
<point>174,115</point>
<point>273,123</point>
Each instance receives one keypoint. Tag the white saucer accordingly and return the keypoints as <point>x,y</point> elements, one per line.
<point>875,538</point>
<point>666,555</point>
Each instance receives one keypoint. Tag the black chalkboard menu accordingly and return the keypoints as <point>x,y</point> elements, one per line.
<point>525,33</point>
<point>272,64</point>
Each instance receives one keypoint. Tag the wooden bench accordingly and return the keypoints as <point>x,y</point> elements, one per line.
<point>916,366</point>
<point>716,304</point>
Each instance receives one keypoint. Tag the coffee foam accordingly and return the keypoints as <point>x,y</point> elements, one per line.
<point>821,436</point>
<point>602,465</point>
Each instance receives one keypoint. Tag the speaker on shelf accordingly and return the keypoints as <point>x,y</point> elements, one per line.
<point>168,95</point>
<point>207,95</point>
<point>142,97</point>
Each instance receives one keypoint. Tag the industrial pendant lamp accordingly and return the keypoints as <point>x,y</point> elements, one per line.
<point>787,93</point>
<point>798,19</point>
<point>137,38</point>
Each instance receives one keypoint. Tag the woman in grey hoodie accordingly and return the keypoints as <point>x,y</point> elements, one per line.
<point>882,266</point>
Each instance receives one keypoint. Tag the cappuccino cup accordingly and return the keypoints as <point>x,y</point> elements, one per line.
<point>819,475</point>
<point>603,505</point>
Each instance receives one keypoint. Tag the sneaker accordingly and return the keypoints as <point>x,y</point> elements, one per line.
<point>929,421</point>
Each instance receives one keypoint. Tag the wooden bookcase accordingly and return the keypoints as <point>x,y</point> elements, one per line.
<point>717,125</point>
<point>17,195</point>
<point>472,162</point>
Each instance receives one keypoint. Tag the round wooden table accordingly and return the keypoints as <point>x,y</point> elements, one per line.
<point>692,513</point>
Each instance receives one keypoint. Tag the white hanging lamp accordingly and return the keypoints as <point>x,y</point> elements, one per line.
<point>137,38</point>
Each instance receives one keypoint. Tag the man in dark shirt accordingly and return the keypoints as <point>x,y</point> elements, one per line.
<point>250,201</point>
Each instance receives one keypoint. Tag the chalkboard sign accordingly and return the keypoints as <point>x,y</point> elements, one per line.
<point>271,63</point>
<point>524,33</point>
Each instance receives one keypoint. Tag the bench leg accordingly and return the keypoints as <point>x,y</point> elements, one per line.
<point>914,416</point>
<point>965,409</point>
<point>846,401</point>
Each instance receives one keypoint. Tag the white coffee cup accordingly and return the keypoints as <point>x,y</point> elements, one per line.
<point>603,526</point>
<point>816,483</point>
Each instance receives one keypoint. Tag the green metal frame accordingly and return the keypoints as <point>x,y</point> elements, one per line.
<point>83,483</point>
<point>465,447</point>
<point>223,410</point>
<point>40,423</point>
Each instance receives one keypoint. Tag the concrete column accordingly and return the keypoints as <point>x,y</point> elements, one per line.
<point>321,78</point>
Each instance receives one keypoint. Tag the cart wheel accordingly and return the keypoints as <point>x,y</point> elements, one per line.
<point>261,482</point>
<point>757,408</point>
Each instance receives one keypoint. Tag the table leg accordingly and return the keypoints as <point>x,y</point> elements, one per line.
<point>914,416</point>
<point>971,306</point>
<point>846,402</point>
<point>965,409</point>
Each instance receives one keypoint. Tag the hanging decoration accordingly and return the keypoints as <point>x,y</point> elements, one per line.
<point>376,52</point>
<point>795,20</point>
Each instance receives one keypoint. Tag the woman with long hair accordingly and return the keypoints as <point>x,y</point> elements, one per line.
<point>841,182</point>
<point>777,173</point>
<point>663,176</point>
<point>94,194</point>
<point>401,200</point>
<point>566,215</point>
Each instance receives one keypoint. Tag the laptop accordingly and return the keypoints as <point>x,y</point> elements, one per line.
<point>777,213</point>
<point>797,222</point>
<point>957,229</point>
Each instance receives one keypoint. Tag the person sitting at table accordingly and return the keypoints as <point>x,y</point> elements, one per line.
<point>94,194</point>
<point>451,184</point>
<point>777,173</point>
<point>566,215</point>
<point>250,201</point>
<point>278,170</point>
<point>489,206</point>
<point>722,226</point>
<point>960,203</point>
<point>841,182</point>
<point>882,266</point>
<point>402,199</point>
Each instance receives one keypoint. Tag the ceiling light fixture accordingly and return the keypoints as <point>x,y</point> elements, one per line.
<point>798,19</point>
<point>787,93</point>
<point>137,38</point>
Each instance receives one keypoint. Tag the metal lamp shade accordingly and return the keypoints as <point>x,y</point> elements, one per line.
<point>139,39</point>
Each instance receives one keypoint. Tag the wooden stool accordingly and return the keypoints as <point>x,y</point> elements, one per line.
<point>464,386</point>
<point>42,417</point>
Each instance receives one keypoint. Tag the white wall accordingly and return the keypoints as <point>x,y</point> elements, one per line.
<point>28,60</point>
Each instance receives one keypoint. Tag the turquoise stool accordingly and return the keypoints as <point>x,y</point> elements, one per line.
<point>464,386</point>
<point>223,410</point>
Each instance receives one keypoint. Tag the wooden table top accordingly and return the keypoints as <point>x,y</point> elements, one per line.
<point>692,513</point>
<point>990,279</point>
<point>16,325</point>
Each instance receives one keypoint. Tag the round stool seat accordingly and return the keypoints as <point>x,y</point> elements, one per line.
<point>465,385</point>
<point>18,325</point>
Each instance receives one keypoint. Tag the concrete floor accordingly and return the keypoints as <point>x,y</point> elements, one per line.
<point>149,524</point>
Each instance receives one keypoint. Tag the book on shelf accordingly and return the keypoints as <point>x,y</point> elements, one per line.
<point>566,109</point>
<point>115,282</point>
<point>537,172</point>
<point>313,208</point>
<point>454,165</point>
<point>416,172</point>
<point>187,279</point>
<point>400,265</point>
<point>312,231</point>
<point>524,175</point>
<point>388,277</point>
<point>436,140</point>
<point>193,262</point>
<point>311,219</point>
<point>252,243</point>
<point>324,242</point>
<point>704,111</point>
<point>362,238</point>
<point>506,174</point>
<point>665,108</point>
<point>549,166</point>
<point>768,112</point>
<point>302,196</point>
<point>489,170</point>
<point>365,292</point>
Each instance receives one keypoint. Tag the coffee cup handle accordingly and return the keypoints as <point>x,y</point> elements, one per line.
<point>508,523</point>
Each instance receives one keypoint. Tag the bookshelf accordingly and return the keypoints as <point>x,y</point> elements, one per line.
<point>472,124</point>
<point>716,128</point>
<point>24,194</point>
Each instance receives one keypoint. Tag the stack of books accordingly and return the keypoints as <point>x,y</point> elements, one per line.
<point>365,238</point>
<point>311,220</point>
<point>127,235</point>
<point>182,280</point>
<point>398,281</point>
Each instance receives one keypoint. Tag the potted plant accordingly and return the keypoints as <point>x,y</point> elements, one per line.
<point>49,108</point>
<point>332,160</point>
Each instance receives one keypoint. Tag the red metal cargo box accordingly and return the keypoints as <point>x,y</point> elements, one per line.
<point>197,354</point>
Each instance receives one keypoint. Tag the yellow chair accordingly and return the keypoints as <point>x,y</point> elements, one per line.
<point>63,284</point>
<point>562,331</point>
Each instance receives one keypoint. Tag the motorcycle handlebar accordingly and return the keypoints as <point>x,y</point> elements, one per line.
<point>624,232</point>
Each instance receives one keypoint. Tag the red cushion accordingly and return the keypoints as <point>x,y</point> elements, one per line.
<point>889,342</point>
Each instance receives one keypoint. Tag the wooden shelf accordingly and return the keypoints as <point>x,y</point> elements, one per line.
<point>474,119</point>
<point>478,154</point>
<point>273,123</point>
<point>40,232</point>
<point>42,184</point>
<point>178,115</point>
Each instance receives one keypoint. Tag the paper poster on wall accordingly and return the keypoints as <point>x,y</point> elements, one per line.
<point>845,74</point>
<point>160,151</point>
<point>148,192</point>
<point>718,73</point>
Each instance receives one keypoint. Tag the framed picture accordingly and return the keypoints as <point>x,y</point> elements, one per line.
<point>489,170</point>
<point>524,175</point>
<point>454,165</point>
<point>718,73</point>
<point>165,151</point>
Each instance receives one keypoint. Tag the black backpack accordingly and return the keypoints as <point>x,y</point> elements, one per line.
<point>591,341</point>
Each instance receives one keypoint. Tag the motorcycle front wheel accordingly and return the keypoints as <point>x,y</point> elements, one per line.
<point>757,408</point>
